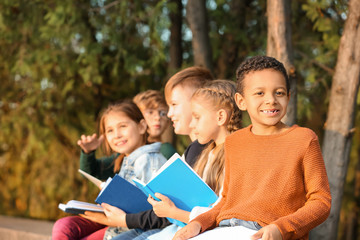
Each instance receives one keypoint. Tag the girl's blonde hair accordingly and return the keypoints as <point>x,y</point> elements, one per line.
<point>220,95</point>
<point>130,109</point>
<point>192,77</point>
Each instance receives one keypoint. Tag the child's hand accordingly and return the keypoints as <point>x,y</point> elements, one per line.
<point>90,143</point>
<point>95,217</point>
<point>189,231</point>
<point>163,208</point>
<point>269,232</point>
<point>115,216</point>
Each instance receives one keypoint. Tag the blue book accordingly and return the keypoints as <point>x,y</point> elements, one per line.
<point>179,182</point>
<point>122,194</point>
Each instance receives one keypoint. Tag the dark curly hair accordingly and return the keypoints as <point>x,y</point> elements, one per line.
<point>259,63</point>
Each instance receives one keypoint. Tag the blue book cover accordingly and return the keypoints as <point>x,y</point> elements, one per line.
<point>122,194</point>
<point>179,182</point>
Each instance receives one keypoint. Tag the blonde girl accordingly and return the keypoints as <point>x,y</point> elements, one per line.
<point>214,116</point>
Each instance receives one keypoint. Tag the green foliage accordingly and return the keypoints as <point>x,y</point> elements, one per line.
<point>61,62</point>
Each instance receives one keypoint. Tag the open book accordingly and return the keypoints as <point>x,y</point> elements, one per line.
<point>115,191</point>
<point>179,182</point>
<point>78,207</point>
<point>120,193</point>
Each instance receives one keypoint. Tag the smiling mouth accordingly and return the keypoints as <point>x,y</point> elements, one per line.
<point>270,111</point>
<point>120,143</point>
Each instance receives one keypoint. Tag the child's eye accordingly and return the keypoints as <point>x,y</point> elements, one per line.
<point>280,93</point>
<point>109,131</point>
<point>259,93</point>
<point>162,113</point>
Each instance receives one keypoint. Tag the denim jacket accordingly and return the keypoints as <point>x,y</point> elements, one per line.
<point>142,163</point>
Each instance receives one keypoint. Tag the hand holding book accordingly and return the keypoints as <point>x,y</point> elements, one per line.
<point>115,216</point>
<point>181,184</point>
<point>166,208</point>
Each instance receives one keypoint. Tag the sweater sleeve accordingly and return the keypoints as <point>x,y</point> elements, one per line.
<point>167,150</point>
<point>100,168</point>
<point>146,220</point>
<point>318,198</point>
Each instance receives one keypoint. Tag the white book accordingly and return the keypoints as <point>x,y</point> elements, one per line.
<point>79,207</point>
<point>228,233</point>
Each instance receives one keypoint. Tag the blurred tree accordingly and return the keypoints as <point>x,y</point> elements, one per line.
<point>61,62</point>
<point>196,15</point>
<point>175,49</point>
<point>340,121</point>
<point>279,46</point>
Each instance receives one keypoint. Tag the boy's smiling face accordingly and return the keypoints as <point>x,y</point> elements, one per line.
<point>265,99</point>
<point>180,109</point>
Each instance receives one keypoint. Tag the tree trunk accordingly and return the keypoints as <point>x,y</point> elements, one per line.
<point>279,46</point>
<point>196,16</point>
<point>228,60</point>
<point>352,225</point>
<point>175,51</point>
<point>340,120</point>
<point>175,37</point>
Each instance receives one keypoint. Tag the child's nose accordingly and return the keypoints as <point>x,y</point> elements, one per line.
<point>169,114</point>
<point>191,125</point>
<point>118,133</point>
<point>157,115</point>
<point>271,99</point>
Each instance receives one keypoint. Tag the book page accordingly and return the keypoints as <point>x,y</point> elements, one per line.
<point>238,233</point>
<point>77,207</point>
<point>92,179</point>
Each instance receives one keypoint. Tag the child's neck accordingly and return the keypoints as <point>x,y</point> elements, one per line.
<point>269,130</point>
<point>154,139</point>
<point>222,134</point>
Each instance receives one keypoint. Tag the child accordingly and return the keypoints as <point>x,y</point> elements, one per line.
<point>148,101</point>
<point>124,129</point>
<point>214,116</point>
<point>178,91</point>
<point>275,178</point>
<point>153,106</point>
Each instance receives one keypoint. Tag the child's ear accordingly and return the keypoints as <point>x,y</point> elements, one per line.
<point>221,117</point>
<point>240,101</point>
<point>142,126</point>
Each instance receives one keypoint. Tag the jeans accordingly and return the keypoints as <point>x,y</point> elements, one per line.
<point>136,234</point>
<point>238,222</point>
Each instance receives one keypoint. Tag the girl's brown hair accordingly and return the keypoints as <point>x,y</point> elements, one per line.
<point>220,95</point>
<point>130,109</point>
<point>150,99</point>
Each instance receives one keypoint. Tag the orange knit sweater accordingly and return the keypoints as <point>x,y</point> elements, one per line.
<point>279,179</point>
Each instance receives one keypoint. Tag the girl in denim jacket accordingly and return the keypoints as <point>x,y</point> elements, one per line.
<point>125,132</point>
